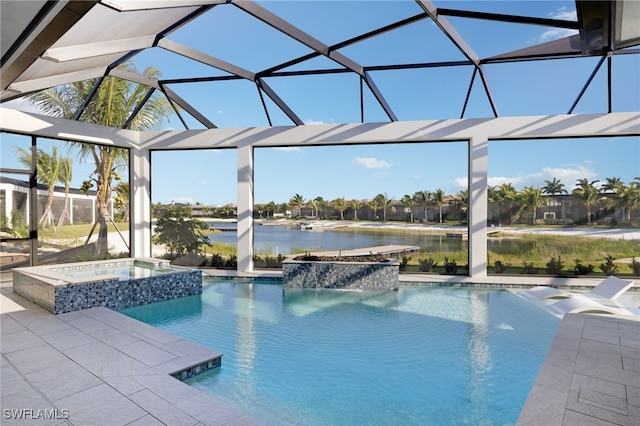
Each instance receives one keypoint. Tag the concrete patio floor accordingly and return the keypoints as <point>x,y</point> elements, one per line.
<point>98,367</point>
<point>591,375</point>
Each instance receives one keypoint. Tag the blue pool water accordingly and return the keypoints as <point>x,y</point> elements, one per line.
<point>416,356</point>
<point>124,270</point>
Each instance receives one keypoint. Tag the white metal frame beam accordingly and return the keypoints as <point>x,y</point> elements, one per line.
<point>477,132</point>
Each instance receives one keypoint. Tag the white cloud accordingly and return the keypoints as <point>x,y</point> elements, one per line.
<point>371,163</point>
<point>183,200</point>
<point>556,34</point>
<point>499,180</point>
<point>566,175</point>
<point>551,34</point>
<point>311,121</point>
<point>289,148</point>
<point>564,14</point>
<point>203,182</point>
<point>461,182</point>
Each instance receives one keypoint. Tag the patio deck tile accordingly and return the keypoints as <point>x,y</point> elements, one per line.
<point>62,380</point>
<point>590,379</point>
<point>101,405</point>
<point>98,366</point>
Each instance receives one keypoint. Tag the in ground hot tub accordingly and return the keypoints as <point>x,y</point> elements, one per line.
<point>115,284</point>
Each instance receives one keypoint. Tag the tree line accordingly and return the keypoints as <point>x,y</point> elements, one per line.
<point>505,202</point>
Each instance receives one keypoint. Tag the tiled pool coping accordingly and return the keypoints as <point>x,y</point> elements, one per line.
<point>110,376</point>
<point>341,275</point>
<point>491,281</point>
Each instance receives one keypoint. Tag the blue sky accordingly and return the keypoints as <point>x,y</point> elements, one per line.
<point>533,88</point>
<point>363,172</point>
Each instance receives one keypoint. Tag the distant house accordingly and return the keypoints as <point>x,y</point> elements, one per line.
<point>14,201</point>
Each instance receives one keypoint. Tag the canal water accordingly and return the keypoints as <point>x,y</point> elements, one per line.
<point>276,239</point>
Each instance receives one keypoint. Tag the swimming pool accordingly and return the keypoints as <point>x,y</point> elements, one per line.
<point>416,356</point>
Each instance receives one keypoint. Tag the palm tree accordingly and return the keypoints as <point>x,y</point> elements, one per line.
<point>507,194</point>
<point>533,199</point>
<point>270,207</point>
<point>111,105</point>
<point>355,205</point>
<point>260,208</point>
<point>611,190</point>
<point>314,207</point>
<point>424,199</point>
<point>439,200</point>
<point>409,202</point>
<point>493,201</point>
<point>612,185</point>
<point>282,207</point>
<point>323,205</point>
<point>552,188</point>
<point>374,205</point>
<point>340,204</point>
<point>47,172</point>
<point>588,193</point>
<point>66,174</point>
<point>384,202</point>
<point>627,198</point>
<point>297,201</point>
<point>463,200</point>
<point>122,199</point>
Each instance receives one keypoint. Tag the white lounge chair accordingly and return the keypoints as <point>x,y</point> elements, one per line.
<point>601,299</point>
<point>579,303</point>
<point>610,288</point>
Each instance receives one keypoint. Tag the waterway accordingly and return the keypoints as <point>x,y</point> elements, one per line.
<point>276,239</point>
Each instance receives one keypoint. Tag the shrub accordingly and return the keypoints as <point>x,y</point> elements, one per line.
<point>404,262</point>
<point>268,261</point>
<point>581,269</point>
<point>181,233</point>
<point>609,268</point>
<point>216,261</point>
<point>450,267</point>
<point>275,262</point>
<point>555,266</point>
<point>527,268</point>
<point>499,267</point>
<point>232,262</point>
<point>635,265</point>
<point>427,265</point>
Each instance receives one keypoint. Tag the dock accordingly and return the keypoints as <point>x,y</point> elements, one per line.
<point>458,235</point>
<point>389,250</point>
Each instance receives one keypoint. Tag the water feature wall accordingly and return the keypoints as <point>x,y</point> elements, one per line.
<point>49,288</point>
<point>341,275</point>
